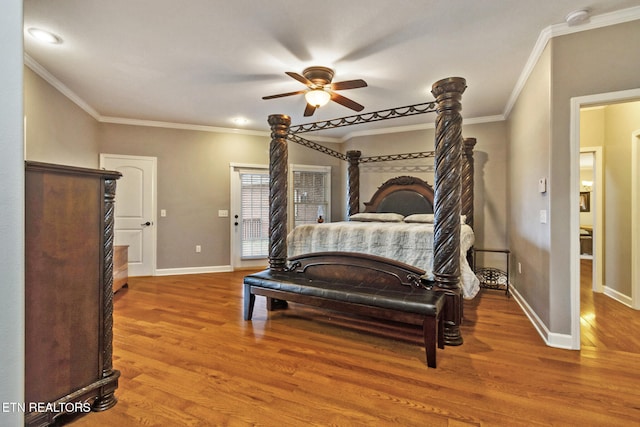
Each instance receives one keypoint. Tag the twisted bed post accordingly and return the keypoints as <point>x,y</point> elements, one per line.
<point>467,187</point>
<point>467,179</point>
<point>353,177</point>
<point>278,158</point>
<point>447,209</point>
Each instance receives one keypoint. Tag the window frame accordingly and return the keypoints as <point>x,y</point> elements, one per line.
<point>293,168</point>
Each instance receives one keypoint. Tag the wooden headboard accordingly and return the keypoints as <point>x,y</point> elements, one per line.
<point>405,195</point>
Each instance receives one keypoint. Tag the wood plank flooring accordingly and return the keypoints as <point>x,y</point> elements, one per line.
<point>604,322</point>
<point>188,359</point>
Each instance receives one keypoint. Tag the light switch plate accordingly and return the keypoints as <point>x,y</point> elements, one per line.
<point>542,185</point>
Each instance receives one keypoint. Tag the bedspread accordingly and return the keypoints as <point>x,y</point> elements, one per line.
<point>409,243</point>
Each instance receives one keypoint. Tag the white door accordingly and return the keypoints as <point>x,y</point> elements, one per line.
<point>249,216</point>
<point>135,209</point>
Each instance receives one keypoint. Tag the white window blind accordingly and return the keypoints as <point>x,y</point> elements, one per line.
<point>254,193</point>
<point>311,195</point>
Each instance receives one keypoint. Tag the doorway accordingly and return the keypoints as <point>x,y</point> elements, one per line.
<point>135,207</point>
<point>592,212</point>
<point>633,290</point>
<point>249,216</point>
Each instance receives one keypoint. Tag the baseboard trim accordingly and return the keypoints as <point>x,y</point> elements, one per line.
<point>552,339</point>
<point>621,298</point>
<point>193,270</point>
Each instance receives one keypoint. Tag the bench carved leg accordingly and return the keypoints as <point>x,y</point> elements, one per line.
<point>249,301</point>
<point>430,330</point>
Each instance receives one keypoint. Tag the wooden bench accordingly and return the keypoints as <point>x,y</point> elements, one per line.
<point>359,284</point>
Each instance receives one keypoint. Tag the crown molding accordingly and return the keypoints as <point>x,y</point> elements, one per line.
<point>599,21</point>
<point>182,126</point>
<point>49,78</point>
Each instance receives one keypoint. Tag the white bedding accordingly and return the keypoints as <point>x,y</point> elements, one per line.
<point>410,243</point>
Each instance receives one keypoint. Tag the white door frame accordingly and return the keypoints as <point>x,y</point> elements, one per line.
<point>598,216</point>
<point>152,254</point>
<point>635,213</point>
<point>574,205</point>
<point>234,179</point>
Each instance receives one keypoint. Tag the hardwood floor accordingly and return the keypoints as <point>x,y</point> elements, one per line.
<point>604,322</point>
<point>188,359</point>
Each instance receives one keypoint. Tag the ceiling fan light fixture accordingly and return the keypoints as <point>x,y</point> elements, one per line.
<point>317,97</point>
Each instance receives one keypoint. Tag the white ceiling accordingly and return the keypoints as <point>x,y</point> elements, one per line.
<point>205,62</point>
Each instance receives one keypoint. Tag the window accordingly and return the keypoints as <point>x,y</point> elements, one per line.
<point>309,197</point>
<point>310,194</point>
<point>254,214</point>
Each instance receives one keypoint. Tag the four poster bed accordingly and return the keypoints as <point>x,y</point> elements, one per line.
<point>401,258</point>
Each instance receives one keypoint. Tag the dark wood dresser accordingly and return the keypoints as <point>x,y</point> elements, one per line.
<point>69,294</point>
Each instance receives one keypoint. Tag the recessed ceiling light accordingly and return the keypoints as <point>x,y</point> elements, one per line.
<point>577,17</point>
<point>240,121</point>
<point>44,36</point>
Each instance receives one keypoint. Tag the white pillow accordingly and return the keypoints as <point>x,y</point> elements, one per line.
<point>424,218</point>
<point>376,217</point>
<point>428,218</point>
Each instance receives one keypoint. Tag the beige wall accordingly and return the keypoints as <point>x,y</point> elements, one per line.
<point>490,155</point>
<point>528,161</point>
<point>194,183</point>
<point>620,121</point>
<point>57,131</point>
<point>193,169</point>
<point>592,127</point>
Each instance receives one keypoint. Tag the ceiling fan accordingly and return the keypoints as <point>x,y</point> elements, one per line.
<point>321,90</point>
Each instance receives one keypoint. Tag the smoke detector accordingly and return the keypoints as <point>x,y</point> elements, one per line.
<point>577,17</point>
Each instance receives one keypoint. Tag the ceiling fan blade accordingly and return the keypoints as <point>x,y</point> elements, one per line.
<point>280,95</point>
<point>309,110</point>
<point>348,84</point>
<point>346,102</point>
<point>300,78</point>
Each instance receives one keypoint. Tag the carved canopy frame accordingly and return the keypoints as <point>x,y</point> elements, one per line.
<point>453,166</point>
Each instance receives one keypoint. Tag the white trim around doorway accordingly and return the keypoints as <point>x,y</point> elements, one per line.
<point>574,188</point>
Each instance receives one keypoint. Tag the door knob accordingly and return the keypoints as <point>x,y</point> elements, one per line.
<point>148,223</point>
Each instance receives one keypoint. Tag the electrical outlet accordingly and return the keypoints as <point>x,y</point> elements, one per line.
<point>198,248</point>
